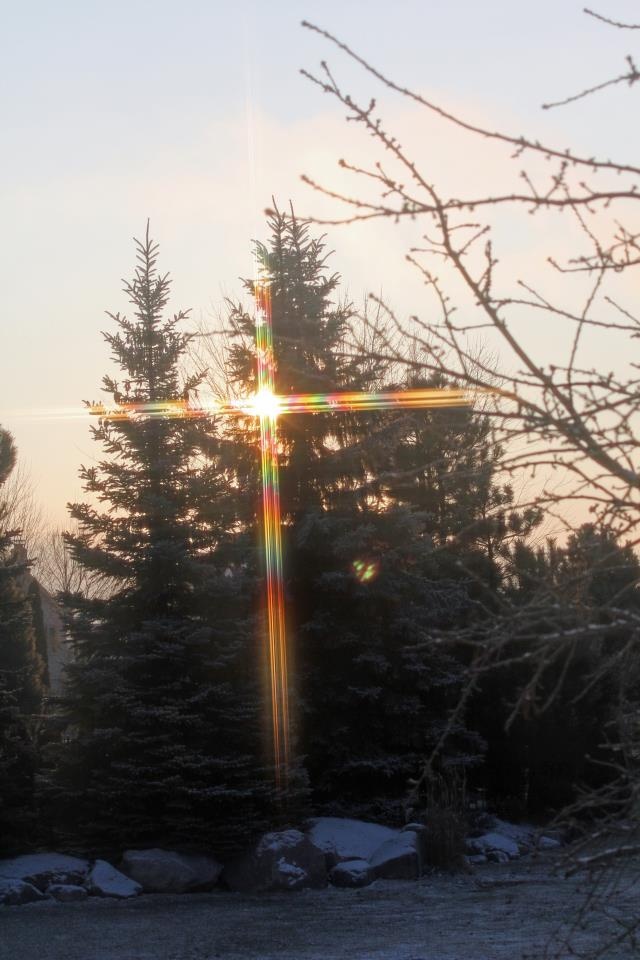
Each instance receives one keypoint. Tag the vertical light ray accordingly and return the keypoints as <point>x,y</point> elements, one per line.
<point>278,658</point>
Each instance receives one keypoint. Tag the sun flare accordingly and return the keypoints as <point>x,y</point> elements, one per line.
<point>264,403</point>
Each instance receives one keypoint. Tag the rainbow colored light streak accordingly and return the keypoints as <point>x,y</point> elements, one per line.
<point>268,406</point>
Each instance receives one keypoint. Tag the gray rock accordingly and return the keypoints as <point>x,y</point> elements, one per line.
<point>397,858</point>
<point>489,842</point>
<point>421,833</point>
<point>285,860</point>
<point>66,892</point>
<point>548,843</point>
<point>341,839</point>
<point>497,856</point>
<point>44,869</point>
<point>351,873</point>
<point>14,892</point>
<point>475,859</point>
<point>105,881</point>
<point>167,871</point>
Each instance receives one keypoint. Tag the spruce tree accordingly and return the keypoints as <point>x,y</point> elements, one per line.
<point>21,683</point>
<point>364,593</point>
<point>557,740</point>
<point>162,697</point>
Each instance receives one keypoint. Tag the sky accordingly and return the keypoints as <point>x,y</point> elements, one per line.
<point>195,115</point>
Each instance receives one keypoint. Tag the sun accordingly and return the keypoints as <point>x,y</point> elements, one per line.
<point>264,403</point>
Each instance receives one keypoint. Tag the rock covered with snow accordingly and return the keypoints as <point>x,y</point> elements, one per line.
<point>351,873</point>
<point>167,871</point>
<point>105,881</point>
<point>398,858</point>
<point>67,892</point>
<point>14,892</point>
<point>548,843</point>
<point>494,843</point>
<point>342,839</point>
<point>44,869</point>
<point>283,860</point>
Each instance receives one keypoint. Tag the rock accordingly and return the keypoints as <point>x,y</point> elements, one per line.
<point>44,869</point>
<point>351,873</point>
<point>548,843</point>
<point>489,842</point>
<point>66,892</point>
<point>397,858</point>
<point>497,856</point>
<point>14,892</point>
<point>105,881</point>
<point>167,871</point>
<point>421,832</point>
<point>342,839</point>
<point>285,860</point>
<point>524,834</point>
<point>475,859</point>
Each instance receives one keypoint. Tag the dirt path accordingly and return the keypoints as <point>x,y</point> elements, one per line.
<point>500,913</point>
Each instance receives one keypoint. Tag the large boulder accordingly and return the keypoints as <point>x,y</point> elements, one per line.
<point>397,858</point>
<point>351,873</point>
<point>167,871</point>
<point>341,839</point>
<point>105,881</point>
<point>67,892</point>
<point>14,891</point>
<point>284,860</point>
<point>44,869</point>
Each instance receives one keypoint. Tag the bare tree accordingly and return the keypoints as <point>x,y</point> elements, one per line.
<point>569,426</point>
<point>22,510</point>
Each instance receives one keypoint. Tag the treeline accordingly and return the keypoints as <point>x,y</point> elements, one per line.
<point>403,548</point>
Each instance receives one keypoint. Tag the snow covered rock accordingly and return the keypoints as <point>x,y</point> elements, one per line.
<point>105,881</point>
<point>421,832</point>
<point>66,892</point>
<point>494,843</point>
<point>341,839</point>
<point>43,869</point>
<point>351,873</point>
<point>14,891</point>
<point>397,858</point>
<point>167,871</point>
<point>524,834</point>
<point>475,859</point>
<point>548,843</point>
<point>497,856</point>
<point>284,860</point>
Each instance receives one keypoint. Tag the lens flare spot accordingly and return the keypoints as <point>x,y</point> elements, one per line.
<point>365,570</point>
<point>264,403</point>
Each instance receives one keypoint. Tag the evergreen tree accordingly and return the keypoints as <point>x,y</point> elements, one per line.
<point>558,739</point>
<point>21,687</point>
<point>161,693</point>
<point>367,599</point>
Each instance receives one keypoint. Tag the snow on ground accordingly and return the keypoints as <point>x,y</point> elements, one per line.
<point>501,912</point>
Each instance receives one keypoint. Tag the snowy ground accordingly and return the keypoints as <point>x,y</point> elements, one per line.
<point>501,912</point>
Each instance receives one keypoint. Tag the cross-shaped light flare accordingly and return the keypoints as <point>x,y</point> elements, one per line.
<point>268,406</point>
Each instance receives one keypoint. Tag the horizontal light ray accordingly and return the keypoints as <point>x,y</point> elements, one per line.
<point>331,402</point>
<point>47,413</point>
<point>265,403</point>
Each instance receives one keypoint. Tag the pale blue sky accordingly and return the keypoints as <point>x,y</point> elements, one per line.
<point>192,114</point>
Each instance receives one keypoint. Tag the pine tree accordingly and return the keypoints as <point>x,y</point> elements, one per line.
<point>364,592</point>
<point>161,694</point>
<point>558,739</point>
<point>21,687</point>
